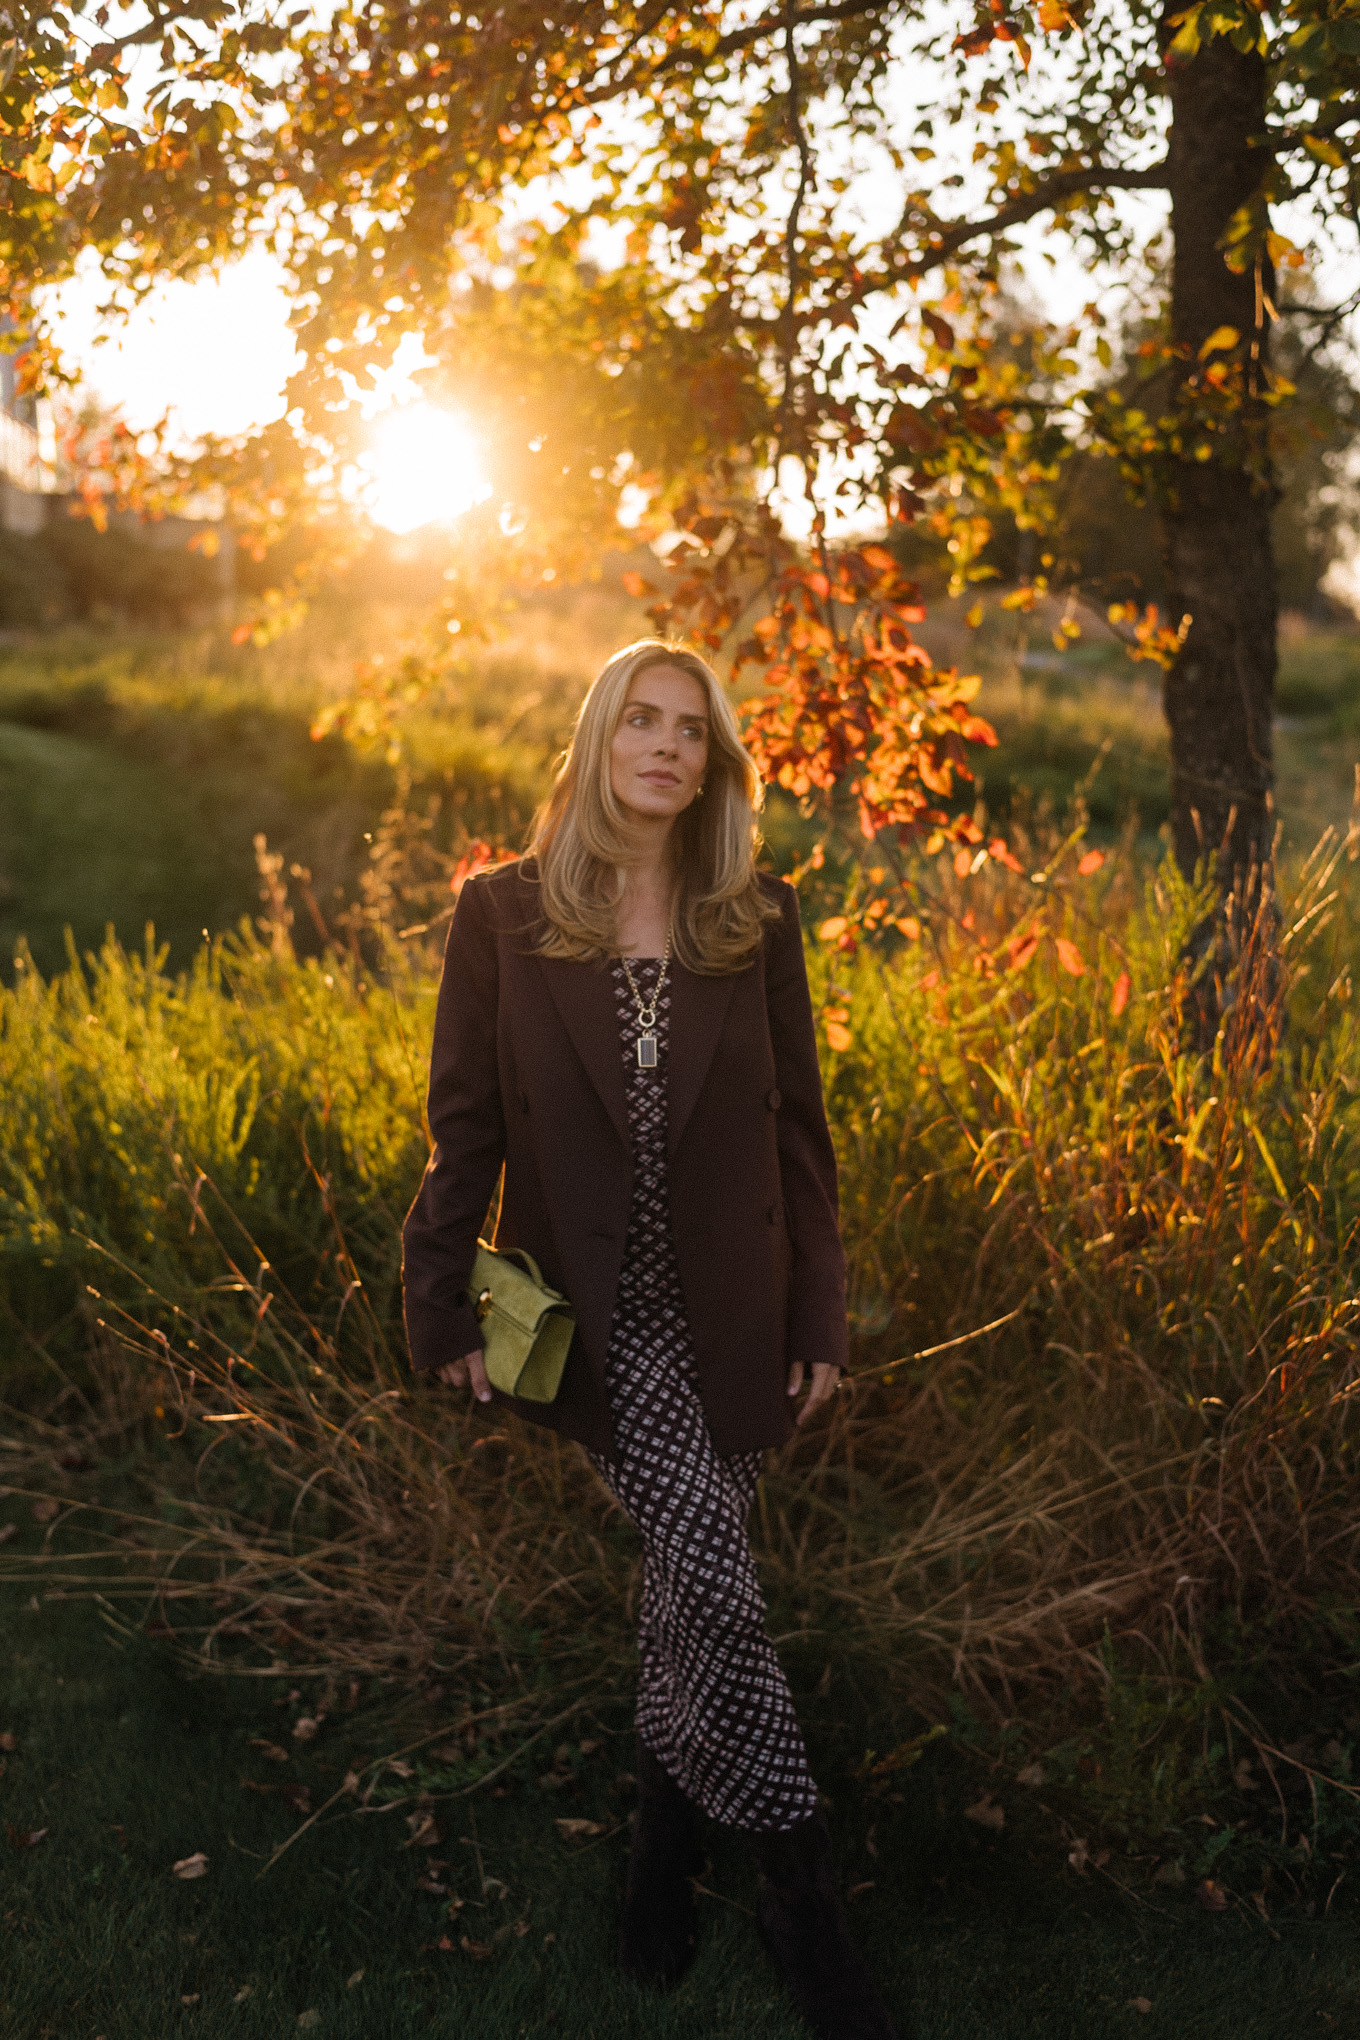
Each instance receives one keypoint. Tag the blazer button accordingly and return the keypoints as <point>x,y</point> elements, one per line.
<point>774,1100</point>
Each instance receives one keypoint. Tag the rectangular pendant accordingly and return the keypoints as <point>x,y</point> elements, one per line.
<point>646,1051</point>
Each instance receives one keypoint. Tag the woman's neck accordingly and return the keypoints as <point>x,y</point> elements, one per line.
<point>644,912</point>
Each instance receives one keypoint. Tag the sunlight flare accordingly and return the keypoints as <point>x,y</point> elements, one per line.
<point>425,467</point>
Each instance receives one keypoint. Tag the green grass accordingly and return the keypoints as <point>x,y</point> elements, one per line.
<point>131,1767</point>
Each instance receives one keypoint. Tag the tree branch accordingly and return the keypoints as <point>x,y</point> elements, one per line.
<point>769,25</point>
<point>1063,184</point>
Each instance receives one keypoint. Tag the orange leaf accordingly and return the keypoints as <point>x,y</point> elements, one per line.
<point>832,930</point>
<point>838,1036</point>
<point>910,927</point>
<point>962,863</point>
<point>1092,861</point>
<point>1119,997</point>
<point>636,585</point>
<point>1070,958</point>
<point>1022,952</point>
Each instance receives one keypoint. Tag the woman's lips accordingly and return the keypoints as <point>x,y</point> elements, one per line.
<point>661,778</point>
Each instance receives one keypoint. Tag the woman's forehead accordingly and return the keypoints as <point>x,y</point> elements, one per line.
<point>667,686</point>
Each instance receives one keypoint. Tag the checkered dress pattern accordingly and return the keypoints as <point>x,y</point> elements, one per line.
<point>713,1703</point>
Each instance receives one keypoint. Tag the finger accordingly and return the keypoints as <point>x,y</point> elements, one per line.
<point>795,1377</point>
<point>476,1368</point>
<point>455,1373</point>
<point>824,1380</point>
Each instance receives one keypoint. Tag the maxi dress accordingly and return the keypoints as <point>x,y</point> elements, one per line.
<point>713,1703</point>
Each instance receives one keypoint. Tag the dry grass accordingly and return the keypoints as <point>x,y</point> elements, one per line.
<point>1101,1285</point>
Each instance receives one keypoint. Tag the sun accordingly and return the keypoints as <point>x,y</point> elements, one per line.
<point>423,467</point>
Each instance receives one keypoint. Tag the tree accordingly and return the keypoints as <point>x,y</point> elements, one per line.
<point>450,171</point>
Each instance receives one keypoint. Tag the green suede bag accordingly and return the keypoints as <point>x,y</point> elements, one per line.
<point>528,1327</point>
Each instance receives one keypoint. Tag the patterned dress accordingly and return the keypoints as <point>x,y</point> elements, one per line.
<point>713,1703</point>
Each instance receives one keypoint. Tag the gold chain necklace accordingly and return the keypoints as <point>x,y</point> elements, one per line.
<point>646,1009</point>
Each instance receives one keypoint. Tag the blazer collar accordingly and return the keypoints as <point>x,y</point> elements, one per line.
<point>583,994</point>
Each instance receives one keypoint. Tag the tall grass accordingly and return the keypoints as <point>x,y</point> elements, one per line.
<point>1102,1296</point>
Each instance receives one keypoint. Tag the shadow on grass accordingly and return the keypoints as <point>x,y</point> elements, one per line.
<point>131,1768</point>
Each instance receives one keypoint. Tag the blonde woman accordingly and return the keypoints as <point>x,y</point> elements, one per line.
<point>624,1029</point>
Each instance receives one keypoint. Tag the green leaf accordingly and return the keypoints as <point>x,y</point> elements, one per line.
<point>1325,151</point>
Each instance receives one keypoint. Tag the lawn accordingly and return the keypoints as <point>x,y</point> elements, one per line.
<point>131,1767</point>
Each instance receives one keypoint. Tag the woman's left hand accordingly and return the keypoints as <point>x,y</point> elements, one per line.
<point>825,1381</point>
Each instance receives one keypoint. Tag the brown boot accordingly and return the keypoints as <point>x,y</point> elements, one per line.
<point>660,1924</point>
<point>802,1924</point>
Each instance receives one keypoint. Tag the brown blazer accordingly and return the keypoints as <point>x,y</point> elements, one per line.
<point>527,1074</point>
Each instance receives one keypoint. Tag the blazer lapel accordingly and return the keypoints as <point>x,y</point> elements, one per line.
<point>698,1008</point>
<point>584,997</point>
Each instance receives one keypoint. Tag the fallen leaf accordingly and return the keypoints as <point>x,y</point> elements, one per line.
<point>1143,2005</point>
<point>1242,1777</point>
<point>578,1830</point>
<point>432,1884</point>
<point>190,1866</point>
<point>192,1998</point>
<point>480,1951</point>
<point>1079,1855</point>
<point>304,1728</point>
<point>1168,1873</point>
<point>1211,1896</point>
<point>26,1838</point>
<point>45,1510</point>
<point>9,1741</point>
<point>397,1764</point>
<point>308,2019</point>
<point>548,1940</point>
<point>1033,1774</point>
<point>423,1832</point>
<point>275,1754</point>
<point>986,1813</point>
<point>357,1977</point>
<point>246,1990</point>
<point>589,1747</point>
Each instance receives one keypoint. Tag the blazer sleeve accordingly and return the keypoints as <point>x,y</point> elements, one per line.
<point>817,1325</point>
<point>467,1125</point>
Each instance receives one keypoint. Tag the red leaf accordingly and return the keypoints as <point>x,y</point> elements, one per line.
<point>636,585</point>
<point>1070,958</point>
<point>1119,997</point>
<point>1022,952</point>
<point>1092,861</point>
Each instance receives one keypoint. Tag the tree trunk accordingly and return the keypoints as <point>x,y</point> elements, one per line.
<point>1219,694</point>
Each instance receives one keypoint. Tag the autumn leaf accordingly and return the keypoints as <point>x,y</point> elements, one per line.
<point>579,1830</point>
<point>1140,2004</point>
<point>189,1867</point>
<point>1033,1774</point>
<point>270,1750</point>
<point>306,1727</point>
<point>1070,957</point>
<point>986,1813</point>
<point>838,1036</point>
<point>45,1510</point>
<point>1092,861</point>
<point>832,930</point>
<point>306,2020</point>
<point>1220,341</point>
<point>9,1741</point>
<point>1211,1896</point>
<point>423,1831</point>
<point>1119,997</point>
<point>1022,952</point>
<point>480,1951</point>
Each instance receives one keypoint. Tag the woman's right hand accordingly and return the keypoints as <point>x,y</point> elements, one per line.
<point>471,1368</point>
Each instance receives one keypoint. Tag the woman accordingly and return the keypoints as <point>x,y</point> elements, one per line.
<point>624,1027</point>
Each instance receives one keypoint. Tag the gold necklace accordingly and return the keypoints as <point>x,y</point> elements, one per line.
<point>646,1010</point>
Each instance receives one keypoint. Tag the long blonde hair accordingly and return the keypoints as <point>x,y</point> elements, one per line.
<point>580,837</point>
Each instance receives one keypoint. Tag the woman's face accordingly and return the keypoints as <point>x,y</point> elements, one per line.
<point>660,749</point>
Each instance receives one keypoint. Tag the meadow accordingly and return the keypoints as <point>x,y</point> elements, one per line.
<point>1067,1587</point>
